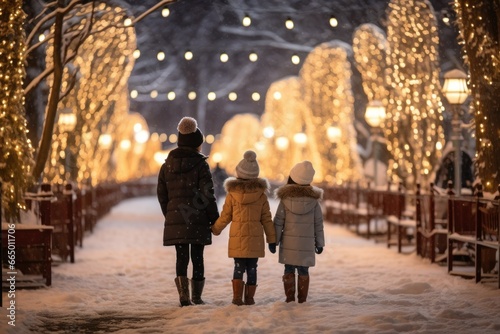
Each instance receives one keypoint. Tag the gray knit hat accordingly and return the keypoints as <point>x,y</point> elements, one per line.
<point>189,134</point>
<point>302,173</point>
<point>248,168</point>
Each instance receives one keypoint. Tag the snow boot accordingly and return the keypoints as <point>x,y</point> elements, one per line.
<point>238,291</point>
<point>182,284</point>
<point>303,288</point>
<point>249,294</point>
<point>289,285</point>
<point>196,291</point>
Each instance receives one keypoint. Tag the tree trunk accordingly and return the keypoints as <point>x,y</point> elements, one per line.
<point>51,111</point>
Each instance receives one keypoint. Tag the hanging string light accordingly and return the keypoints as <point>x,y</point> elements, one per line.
<point>247,21</point>
<point>289,23</point>
<point>333,21</point>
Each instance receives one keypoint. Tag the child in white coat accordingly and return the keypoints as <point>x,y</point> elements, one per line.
<point>299,228</point>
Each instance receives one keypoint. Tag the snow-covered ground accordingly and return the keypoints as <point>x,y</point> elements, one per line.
<point>123,282</point>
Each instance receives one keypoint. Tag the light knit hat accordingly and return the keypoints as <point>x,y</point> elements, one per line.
<point>302,173</point>
<point>248,168</point>
<point>189,134</point>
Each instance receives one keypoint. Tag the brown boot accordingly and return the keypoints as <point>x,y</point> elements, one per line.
<point>182,284</point>
<point>289,285</point>
<point>238,291</point>
<point>303,288</point>
<point>196,291</point>
<point>249,294</point>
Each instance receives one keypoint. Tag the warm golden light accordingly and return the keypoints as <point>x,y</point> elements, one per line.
<point>233,96</point>
<point>188,55</point>
<point>224,57</point>
<point>247,21</point>
<point>375,113</point>
<point>455,86</point>
<point>253,57</point>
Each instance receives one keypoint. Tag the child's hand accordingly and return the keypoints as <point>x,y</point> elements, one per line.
<point>213,232</point>
<point>272,248</point>
<point>319,250</point>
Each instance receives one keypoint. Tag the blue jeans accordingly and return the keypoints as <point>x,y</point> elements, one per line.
<point>302,271</point>
<point>246,264</point>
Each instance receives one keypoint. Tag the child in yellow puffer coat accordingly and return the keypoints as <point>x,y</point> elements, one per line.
<point>247,207</point>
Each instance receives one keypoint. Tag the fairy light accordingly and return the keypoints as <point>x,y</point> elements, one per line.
<point>414,111</point>
<point>102,83</point>
<point>326,77</point>
<point>224,57</point>
<point>289,24</point>
<point>247,21</point>
<point>295,59</point>
<point>253,57</point>
<point>188,55</point>
<point>16,152</point>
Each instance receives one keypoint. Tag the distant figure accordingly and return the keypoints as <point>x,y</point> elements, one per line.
<point>299,228</point>
<point>247,207</point>
<point>186,195</point>
<point>219,176</point>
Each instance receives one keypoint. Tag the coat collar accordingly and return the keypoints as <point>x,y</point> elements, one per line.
<point>295,190</point>
<point>246,185</point>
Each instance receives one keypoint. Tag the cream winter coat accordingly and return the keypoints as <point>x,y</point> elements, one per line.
<point>299,224</point>
<point>247,207</point>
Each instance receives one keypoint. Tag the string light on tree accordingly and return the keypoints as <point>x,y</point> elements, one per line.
<point>16,152</point>
<point>326,80</point>
<point>414,111</point>
<point>478,33</point>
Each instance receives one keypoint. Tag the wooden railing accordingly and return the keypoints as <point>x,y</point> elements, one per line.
<point>60,218</point>
<point>462,231</point>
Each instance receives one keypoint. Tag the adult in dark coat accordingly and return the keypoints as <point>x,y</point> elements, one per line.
<point>186,195</point>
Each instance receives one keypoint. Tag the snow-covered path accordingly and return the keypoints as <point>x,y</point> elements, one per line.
<point>122,282</point>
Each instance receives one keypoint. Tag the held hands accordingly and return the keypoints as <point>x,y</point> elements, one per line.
<point>272,248</point>
<point>319,250</point>
<point>213,232</point>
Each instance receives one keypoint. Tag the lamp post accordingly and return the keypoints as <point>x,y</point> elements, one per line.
<point>374,116</point>
<point>456,92</point>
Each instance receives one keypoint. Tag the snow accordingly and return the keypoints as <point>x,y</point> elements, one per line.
<point>123,282</point>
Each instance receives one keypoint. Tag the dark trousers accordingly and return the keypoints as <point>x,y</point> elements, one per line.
<point>181,265</point>
<point>302,271</point>
<point>246,264</point>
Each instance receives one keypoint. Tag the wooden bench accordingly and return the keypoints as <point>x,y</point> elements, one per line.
<point>399,223</point>
<point>369,212</point>
<point>473,228</point>
<point>29,237</point>
<point>58,213</point>
<point>432,225</point>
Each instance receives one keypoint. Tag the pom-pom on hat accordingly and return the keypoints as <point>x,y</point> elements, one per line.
<point>302,173</point>
<point>248,168</point>
<point>189,134</point>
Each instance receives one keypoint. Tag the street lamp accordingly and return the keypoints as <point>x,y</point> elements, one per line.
<point>374,116</point>
<point>456,92</point>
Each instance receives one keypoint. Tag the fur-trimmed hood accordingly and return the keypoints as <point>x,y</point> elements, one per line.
<point>246,190</point>
<point>294,190</point>
<point>299,199</point>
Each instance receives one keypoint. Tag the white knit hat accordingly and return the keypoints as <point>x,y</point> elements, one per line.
<point>248,168</point>
<point>302,173</point>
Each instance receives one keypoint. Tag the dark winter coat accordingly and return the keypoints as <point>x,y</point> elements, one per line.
<point>186,195</point>
<point>247,209</point>
<point>299,224</point>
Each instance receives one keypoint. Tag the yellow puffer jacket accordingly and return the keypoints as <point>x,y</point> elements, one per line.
<point>247,207</point>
